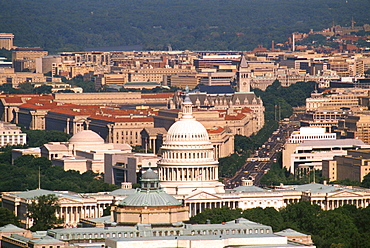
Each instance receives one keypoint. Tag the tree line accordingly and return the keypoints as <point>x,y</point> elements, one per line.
<point>346,226</point>
<point>158,24</point>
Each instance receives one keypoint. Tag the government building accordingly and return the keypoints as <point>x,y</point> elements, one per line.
<point>188,172</point>
<point>149,217</point>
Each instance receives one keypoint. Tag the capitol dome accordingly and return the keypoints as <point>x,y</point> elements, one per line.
<point>86,136</point>
<point>188,161</point>
<point>188,130</point>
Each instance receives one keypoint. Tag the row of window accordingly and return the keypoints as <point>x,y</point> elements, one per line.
<point>227,231</point>
<point>98,235</point>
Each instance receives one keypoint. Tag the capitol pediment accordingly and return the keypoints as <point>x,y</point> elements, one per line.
<point>346,193</point>
<point>202,196</point>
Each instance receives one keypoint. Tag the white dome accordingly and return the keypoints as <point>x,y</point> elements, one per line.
<point>86,136</point>
<point>189,131</point>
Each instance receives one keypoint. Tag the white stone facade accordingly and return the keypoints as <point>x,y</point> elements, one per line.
<point>12,135</point>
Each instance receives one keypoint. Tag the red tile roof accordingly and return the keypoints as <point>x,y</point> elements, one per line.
<point>122,119</point>
<point>216,130</point>
<point>238,116</point>
<point>12,99</point>
<point>46,105</point>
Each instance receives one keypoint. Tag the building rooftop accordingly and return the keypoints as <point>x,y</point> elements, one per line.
<point>317,188</point>
<point>333,143</point>
<point>30,194</point>
<point>248,189</point>
<point>289,232</point>
<point>10,228</point>
<point>150,198</point>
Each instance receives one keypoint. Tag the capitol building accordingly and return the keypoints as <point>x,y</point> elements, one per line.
<point>188,171</point>
<point>188,161</point>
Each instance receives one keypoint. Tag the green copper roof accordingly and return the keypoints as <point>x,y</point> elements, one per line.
<point>150,174</point>
<point>45,240</point>
<point>10,227</point>
<point>30,194</point>
<point>290,232</point>
<point>248,189</point>
<point>149,198</point>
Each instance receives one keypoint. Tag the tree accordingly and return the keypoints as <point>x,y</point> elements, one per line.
<point>301,216</point>
<point>366,181</point>
<point>216,215</point>
<point>26,88</point>
<point>42,212</point>
<point>333,228</point>
<point>268,216</point>
<point>87,86</point>
<point>8,217</point>
<point>39,137</point>
<point>43,89</point>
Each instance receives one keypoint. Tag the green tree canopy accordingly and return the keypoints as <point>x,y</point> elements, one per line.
<point>8,217</point>
<point>301,216</point>
<point>268,216</point>
<point>87,86</point>
<point>216,215</point>
<point>42,212</point>
<point>37,138</point>
<point>24,175</point>
<point>43,89</point>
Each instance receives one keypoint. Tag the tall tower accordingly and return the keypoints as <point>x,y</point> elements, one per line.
<point>244,76</point>
<point>188,162</point>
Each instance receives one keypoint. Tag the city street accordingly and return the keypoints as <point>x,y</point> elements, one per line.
<point>259,163</point>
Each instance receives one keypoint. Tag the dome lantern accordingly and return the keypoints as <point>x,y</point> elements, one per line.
<point>150,180</point>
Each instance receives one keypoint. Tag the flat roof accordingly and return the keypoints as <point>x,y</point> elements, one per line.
<point>333,143</point>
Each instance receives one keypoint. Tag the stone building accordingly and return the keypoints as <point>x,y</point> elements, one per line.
<point>6,41</point>
<point>356,126</point>
<point>120,129</point>
<point>14,79</point>
<point>73,206</point>
<point>353,166</point>
<point>32,115</point>
<point>150,205</point>
<point>10,134</point>
<point>84,151</point>
<point>25,58</point>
